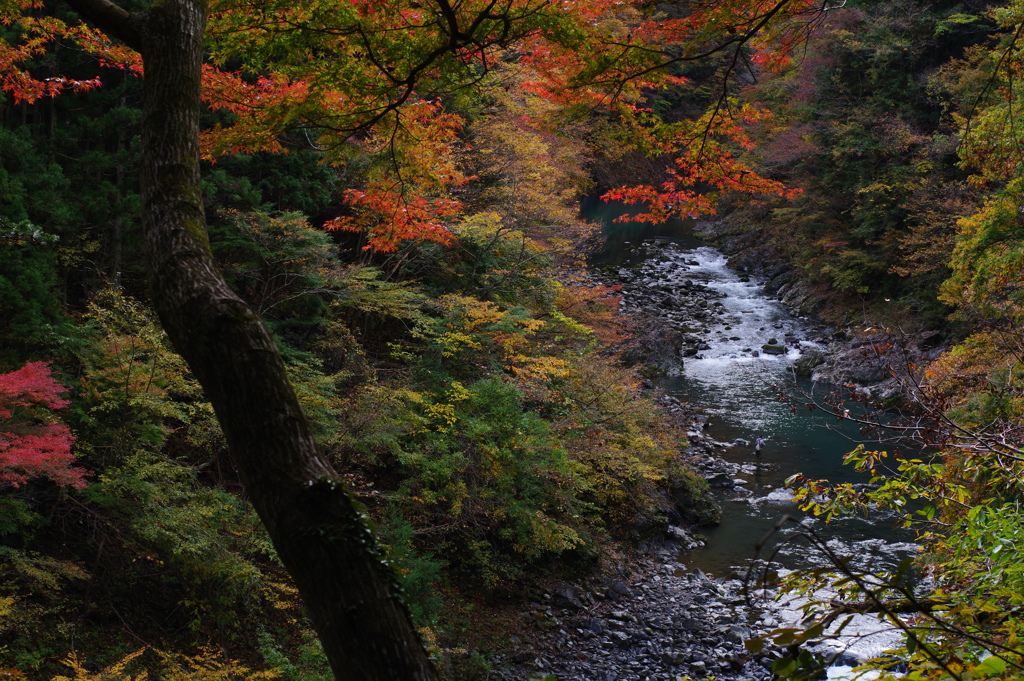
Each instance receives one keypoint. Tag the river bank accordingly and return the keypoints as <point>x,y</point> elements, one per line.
<point>664,623</point>
<point>660,618</point>
<point>668,622</point>
<point>714,342</point>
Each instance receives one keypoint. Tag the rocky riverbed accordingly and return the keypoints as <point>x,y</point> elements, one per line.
<point>689,310</point>
<point>665,620</point>
<point>685,318</point>
<point>667,623</point>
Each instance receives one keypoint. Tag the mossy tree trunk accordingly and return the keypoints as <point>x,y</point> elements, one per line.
<point>314,523</point>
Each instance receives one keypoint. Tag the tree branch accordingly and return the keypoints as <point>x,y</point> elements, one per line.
<point>905,605</point>
<point>111,19</point>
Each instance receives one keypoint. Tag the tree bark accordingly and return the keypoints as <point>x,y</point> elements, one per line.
<point>315,525</point>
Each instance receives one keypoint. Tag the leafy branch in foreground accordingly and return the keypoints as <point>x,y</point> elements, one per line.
<point>959,603</point>
<point>942,638</point>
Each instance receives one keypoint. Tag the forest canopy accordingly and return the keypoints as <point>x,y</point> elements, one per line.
<point>294,306</point>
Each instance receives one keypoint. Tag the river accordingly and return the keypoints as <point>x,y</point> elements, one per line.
<point>671,620</point>
<point>733,381</point>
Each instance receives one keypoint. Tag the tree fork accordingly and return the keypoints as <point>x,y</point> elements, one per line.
<point>313,521</point>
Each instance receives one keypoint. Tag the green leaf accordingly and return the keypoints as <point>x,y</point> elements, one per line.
<point>754,645</point>
<point>992,665</point>
<point>784,667</point>
<point>784,637</point>
<point>814,632</point>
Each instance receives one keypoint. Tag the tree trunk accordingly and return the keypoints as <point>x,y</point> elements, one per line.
<point>314,523</point>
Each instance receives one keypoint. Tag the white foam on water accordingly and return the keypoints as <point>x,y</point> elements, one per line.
<point>845,673</point>
<point>750,319</point>
<point>864,637</point>
<point>776,496</point>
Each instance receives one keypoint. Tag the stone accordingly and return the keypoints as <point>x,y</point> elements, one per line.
<point>736,633</point>
<point>674,658</point>
<point>720,480</point>
<point>620,639</point>
<point>567,598</point>
<point>619,587</point>
<point>678,533</point>
<point>690,624</point>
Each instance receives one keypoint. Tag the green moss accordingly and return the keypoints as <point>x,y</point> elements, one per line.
<point>694,498</point>
<point>197,230</point>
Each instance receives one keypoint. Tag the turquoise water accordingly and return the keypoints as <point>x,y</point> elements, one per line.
<point>619,236</point>
<point>738,392</point>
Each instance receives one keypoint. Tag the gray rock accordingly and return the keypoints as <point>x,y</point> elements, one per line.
<point>620,639</point>
<point>566,597</point>
<point>618,588</point>
<point>674,658</point>
<point>736,633</point>
<point>720,480</point>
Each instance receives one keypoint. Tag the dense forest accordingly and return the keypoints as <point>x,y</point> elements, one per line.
<point>301,363</point>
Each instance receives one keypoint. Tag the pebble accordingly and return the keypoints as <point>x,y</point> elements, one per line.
<point>684,624</point>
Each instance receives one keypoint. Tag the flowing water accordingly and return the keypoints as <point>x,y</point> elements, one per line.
<point>734,382</point>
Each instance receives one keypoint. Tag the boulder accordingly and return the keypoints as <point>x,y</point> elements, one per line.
<point>809,359</point>
<point>567,598</point>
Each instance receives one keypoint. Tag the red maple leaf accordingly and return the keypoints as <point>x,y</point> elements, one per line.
<point>33,442</point>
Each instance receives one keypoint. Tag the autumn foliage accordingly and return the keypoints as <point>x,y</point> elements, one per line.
<point>366,80</point>
<point>452,359</point>
<point>33,443</point>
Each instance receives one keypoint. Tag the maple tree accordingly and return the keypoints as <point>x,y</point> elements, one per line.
<point>317,530</point>
<point>33,443</point>
<point>362,78</point>
<point>706,162</point>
